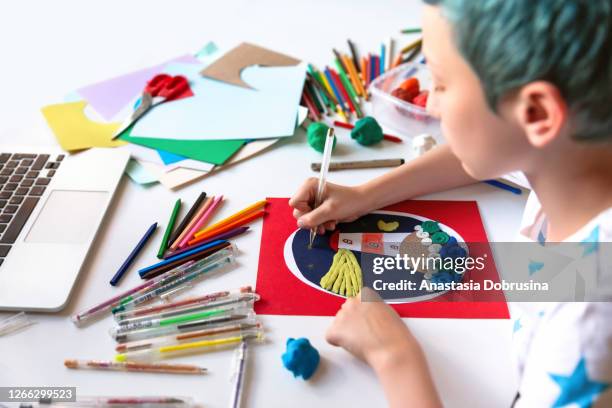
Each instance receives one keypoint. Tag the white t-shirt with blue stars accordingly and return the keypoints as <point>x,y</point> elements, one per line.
<point>564,349</point>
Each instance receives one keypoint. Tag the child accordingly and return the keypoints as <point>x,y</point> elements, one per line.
<point>519,85</point>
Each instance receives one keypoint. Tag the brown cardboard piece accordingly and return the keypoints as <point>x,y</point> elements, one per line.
<point>229,67</point>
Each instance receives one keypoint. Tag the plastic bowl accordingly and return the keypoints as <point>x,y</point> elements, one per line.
<point>403,117</point>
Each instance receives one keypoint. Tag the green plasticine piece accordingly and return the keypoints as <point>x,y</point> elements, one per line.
<point>440,237</point>
<point>367,131</point>
<point>316,134</point>
<point>430,227</point>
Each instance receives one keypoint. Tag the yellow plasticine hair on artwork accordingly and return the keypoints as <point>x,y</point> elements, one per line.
<point>344,276</point>
<point>387,226</point>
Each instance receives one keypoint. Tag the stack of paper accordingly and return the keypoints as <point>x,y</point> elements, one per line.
<point>243,102</point>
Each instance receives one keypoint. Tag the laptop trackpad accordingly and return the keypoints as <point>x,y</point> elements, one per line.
<point>68,217</point>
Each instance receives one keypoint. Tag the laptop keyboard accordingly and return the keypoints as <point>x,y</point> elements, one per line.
<point>23,180</point>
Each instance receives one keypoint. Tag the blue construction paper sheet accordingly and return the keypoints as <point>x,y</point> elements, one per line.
<point>221,111</point>
<point>169,157</point>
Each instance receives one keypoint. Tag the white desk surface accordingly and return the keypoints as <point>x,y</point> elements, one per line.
<point>50,48</point>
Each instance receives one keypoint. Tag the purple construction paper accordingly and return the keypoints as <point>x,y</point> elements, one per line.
<point>109,97</point>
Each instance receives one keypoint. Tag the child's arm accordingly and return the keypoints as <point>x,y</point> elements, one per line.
<point>435,171</point>
<point>372,331</point>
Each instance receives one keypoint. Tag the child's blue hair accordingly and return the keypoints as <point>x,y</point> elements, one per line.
<point>510,43</point>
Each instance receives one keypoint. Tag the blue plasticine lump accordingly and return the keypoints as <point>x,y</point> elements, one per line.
<point>301,358</point>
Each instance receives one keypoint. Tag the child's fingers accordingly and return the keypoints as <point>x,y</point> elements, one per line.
<point>297,213</point>
<point>305,195</point>
<point>318,216</point>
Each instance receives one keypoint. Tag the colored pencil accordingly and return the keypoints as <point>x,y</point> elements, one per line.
<point>313,95</point>
<point>238,223</point>
<point>390,50</point>
<point>397,61</point>
<point>245,211</point>
<point>353,76</point>
<point>343,70</point>
<point>383,58</point>
<point>201,222</point>
<point>390,138</point>
<point>207,202</point>
<point>374,68</point>
<point>312,110</point>
<point>342,90</point>
<point>338,58</point>
<point>323,87</point>
<point>172,262</point>
<point>351,93</point>
<point>364,71</point>
<point>329,106</point>
<point>504,186</point>
<point>411,30</point>
<point>332,85</point>
<point>412,54</point>
<point>341,113</point>
<point>368,70</point>
<point>323,80</point>
<point>411,46</point>
<point>164,243</point>
<point>225,236</point>
<point>132,256</point>
<point>183,224</point>
<point>354,54</point>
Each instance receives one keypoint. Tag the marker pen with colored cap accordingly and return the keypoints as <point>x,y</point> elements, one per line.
<point>159,353</point>
<point>211,322</point>
<point>239,308</point>
<point>229,302</point>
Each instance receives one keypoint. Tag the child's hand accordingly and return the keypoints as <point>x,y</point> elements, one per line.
<point>338,204</point>
<point>371,330</point>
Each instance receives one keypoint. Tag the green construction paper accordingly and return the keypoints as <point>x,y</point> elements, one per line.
<point>209,151</point>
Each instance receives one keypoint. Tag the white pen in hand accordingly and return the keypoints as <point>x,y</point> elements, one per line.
<point>327,151</point>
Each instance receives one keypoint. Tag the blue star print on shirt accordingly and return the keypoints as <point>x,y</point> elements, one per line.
<point>535,266</point>
<point>591,243</point>
<point>517,325</point>
<point>577,389</point>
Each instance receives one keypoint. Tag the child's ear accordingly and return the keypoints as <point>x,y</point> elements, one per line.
<point>541,111</point>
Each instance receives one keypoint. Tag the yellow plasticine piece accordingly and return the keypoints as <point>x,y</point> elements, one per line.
<point>338,282</point>
<point>343,283</point>
<point>344,276</point>
<point>356,268</point>
<point>354,281</point>
<point>348,282</point>
<point>330,276</point>
<point>387,226</point>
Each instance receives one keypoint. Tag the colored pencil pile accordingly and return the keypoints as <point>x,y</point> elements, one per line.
<point>342,90</point>
<point>193,233</point>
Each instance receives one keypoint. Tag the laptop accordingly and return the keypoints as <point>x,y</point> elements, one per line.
<point>51,207</point>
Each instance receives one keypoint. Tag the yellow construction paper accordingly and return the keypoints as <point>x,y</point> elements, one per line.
<point>75,131</point>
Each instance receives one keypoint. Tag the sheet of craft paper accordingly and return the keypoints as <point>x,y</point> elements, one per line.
<point>287,292</point>
<point>139,174</point>
<point>219,111</point>
<point>142,153</point>
<point>75,131</point>
<point>110,96</point>
<point>210,151</point>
